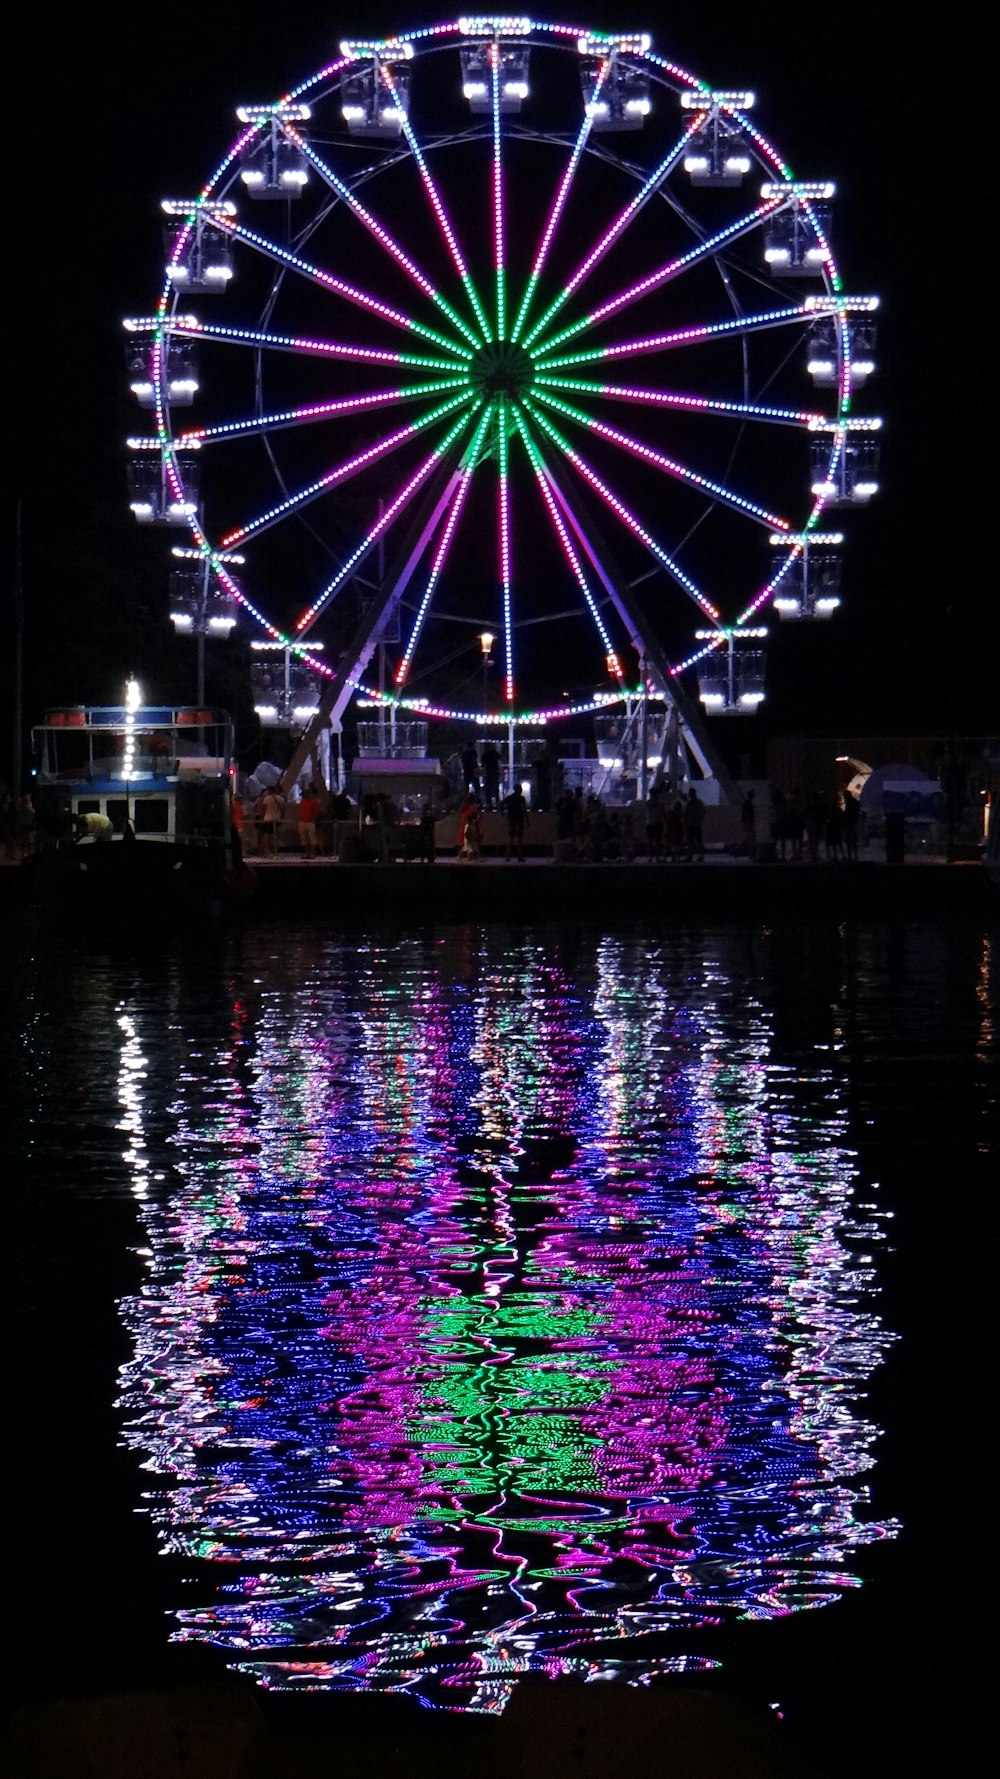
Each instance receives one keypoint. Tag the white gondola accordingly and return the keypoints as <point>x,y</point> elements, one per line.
<point>205,263</point>
<point>810,585</point>
<point>824,352</point>
<point>153,496</point>
<point>731,679</point>
<point>199,610</point>
<point>853,479</point>
<point>621,100</point>
<point>371,104</point>
<point>477,76</point>
<point>795,235</point>
<point>718,154</point>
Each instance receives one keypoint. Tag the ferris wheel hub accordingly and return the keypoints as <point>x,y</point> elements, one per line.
<point>501,368</point>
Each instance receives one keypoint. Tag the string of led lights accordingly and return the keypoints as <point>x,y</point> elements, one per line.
<point>510,303</point>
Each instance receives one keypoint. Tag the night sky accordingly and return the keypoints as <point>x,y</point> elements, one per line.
<point>120,108</point>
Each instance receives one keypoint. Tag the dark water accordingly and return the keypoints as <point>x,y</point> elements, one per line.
<point>411,1313</point>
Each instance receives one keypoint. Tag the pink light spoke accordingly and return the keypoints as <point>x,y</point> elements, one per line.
<point>382,523</point>
<point>691,336</point>
<point>666,273</point>
<point>668,465</point>
<point>440,555</point>
<point>695,404</point>
<point>301,344</point>
<point>538,465</point>
<point>503,515</point>
<point>627,517</point>
<point>381,234</point>
<point>436,205</point>
<point>611,234</point>
<point>341,473</point>
<point>354,404</point>
<point>498,218</point>
<point>338,286</point>
<point>556,212</point>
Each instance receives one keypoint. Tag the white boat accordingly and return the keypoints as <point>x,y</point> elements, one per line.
<point>133,807</point>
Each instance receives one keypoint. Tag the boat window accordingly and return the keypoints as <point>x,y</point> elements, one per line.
<point>88,806</point>
<point>117,809</point>
<point>151,815</point>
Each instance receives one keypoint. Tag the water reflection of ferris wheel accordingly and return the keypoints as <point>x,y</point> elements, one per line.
<point>508,329</point>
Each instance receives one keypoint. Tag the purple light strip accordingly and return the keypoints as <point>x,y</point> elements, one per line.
<point>381,234</point>
<point>626,515</point>
<point>688,336</point>
<point>696,404</point>
<point>668,465</point>
<point>384,520</point>
<point>184,328</point>
<point>673,269</point>
<point>557,209</point>
<point>498,231</point>
<point>327,281</point>
<point>504,539</point>
<point>342,473</point>
<point>319,411</point>
<point>537,464</point>
<point>454,514</point>
<point>437,205</point>
<point>611,235</point>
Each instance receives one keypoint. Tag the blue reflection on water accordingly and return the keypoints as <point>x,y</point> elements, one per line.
<point>499,1311</point>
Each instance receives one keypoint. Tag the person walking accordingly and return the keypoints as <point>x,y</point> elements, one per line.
<point>470,829</point>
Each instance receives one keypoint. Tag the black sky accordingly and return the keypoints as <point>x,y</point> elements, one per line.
<point>118,108</point>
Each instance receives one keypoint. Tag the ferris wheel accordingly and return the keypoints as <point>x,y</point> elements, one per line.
<point>501,371</point>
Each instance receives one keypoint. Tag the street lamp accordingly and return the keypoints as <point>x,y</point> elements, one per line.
<point>486,641</point>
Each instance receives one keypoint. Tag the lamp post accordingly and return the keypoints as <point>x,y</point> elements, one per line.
<point>486,641</point>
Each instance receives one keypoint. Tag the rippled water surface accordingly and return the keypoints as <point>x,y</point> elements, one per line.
<point>499,1301</point>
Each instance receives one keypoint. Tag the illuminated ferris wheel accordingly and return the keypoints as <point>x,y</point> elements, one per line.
<point>506,345</point>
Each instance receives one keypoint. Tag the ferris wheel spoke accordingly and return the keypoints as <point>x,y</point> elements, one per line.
<point>382,235</point>
<point>555,514</point>
<point>342,473</point>
<point>674,268</point>
<point>626,515</point>
<point>555,213</point>
<point>186,328</point>
<point>804,313</point>
<point>354,404</point>
<point>669,466</point>
<point>382,524</point>
<point>503,540</point>
<point>695,404</point>
<point>437,206</point>
<point>499,255</point>
<point>610,236</point>
<point>444,545</point>
<point>282,256</point>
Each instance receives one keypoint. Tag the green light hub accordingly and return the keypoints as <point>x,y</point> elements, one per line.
<point>502,369</point>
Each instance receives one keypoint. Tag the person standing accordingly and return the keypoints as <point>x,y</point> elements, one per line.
<point>470,830</point>
<point>470,768</point>
<point>516,811</point>
<point>308,817</point>
<point>491,776</point>
<point>694,826</point>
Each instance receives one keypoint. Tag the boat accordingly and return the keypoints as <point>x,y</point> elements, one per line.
<point>133,810</point>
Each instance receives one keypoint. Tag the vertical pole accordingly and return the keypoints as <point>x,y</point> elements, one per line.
<point>510,757</point>
<point>16,767</point>
<point>643,735</point>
